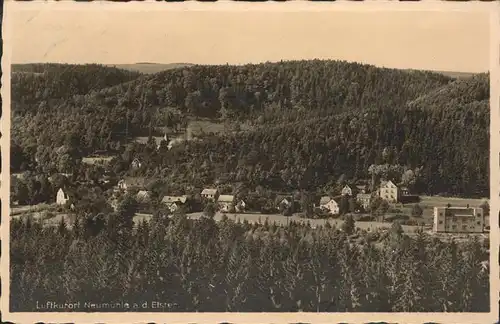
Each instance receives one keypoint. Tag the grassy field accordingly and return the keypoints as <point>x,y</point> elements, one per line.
<point>197,128</point>
<point>52,221</point>
<point>17,210</point>
<point>428,203</point>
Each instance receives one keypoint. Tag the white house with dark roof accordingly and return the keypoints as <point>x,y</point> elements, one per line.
<point>329,204</point>
<point>210,193</point>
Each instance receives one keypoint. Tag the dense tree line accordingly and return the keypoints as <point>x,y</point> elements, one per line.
<point>241,267</point>
<point>312,122</point>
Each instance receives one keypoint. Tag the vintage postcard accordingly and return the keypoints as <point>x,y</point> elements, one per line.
<point>250,163</point>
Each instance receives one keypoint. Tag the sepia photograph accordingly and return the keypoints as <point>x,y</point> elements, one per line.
<point>265,161</point>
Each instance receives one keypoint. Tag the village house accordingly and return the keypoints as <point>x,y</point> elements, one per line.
<point>458,220</point>
<point>173,203</point>
<point>361,189</point>
<point>113,202</point>
<point>136,163</point>
<point>346,191</point>
<point>329,205</point>
<point>389,191</point>
<point>210,194</point>
<point>61,197</point>
<point>240,206</point>
<point>158,142</point>
<point>143,196</point>
<point>404,191</point>
<point>364,200</point>
<point>225,203</point>
<point>132,183</point>
<point>285,202</point>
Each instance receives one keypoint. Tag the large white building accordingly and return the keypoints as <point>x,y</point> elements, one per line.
<point>458,220</point>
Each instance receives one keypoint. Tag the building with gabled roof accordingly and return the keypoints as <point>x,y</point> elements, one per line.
<point>346,191</point>
<point>329,205</point>
<point>364,200</point>
<point>225,202</point>
<point>132,183</point>
<point>61,197</point>
<point>173,203</point>
<point>210,193</point>
<point>136,163</point>
<point>143,196</point>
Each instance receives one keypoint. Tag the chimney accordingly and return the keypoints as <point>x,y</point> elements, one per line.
<point>467,205</point>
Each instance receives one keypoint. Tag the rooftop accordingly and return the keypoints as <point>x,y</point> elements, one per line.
<point>226,198</point>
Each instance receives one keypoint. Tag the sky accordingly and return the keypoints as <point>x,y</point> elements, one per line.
<point>444,41</point>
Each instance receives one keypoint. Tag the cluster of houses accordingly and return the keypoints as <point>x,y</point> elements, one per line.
<point>229,203</point>
<point>456,219</point>
<point>225,203</point>
<point>387,191</point>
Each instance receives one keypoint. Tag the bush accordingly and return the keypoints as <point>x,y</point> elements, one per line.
<point>417,211</point>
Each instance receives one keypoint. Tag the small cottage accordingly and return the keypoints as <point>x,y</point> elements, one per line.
<point>240,206</point>
<point>346,191</point>
<point>210,194</point>
<point>364,200</point>
<point>136,163</point>
<point>404,191</point>
<point>361,189</point>
<point>143,196</point>
<point>132,183</point>
<point>286,202</point>
<point>225,203</point>
<point>173,203</point>
<point>329,205</point>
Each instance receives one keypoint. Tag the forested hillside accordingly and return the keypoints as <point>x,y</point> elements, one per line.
<point>35,84</point>
<point>311,123</point>
<point>314,153</point>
